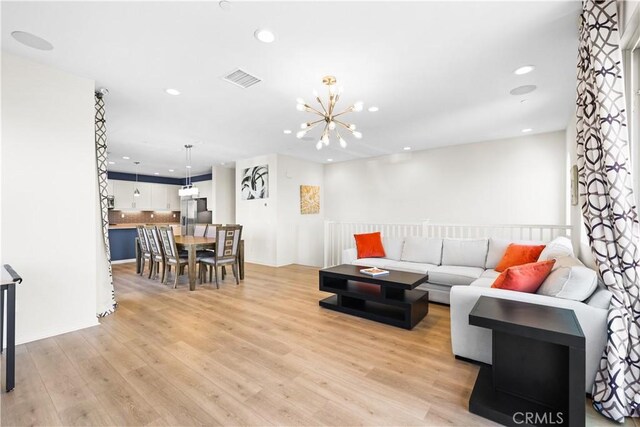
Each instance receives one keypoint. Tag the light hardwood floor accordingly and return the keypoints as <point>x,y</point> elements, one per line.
<point>261,353</point>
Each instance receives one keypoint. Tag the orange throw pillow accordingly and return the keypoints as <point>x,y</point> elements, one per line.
<point>524,278</point>
<point>518,255</point>
<point>369,245</point>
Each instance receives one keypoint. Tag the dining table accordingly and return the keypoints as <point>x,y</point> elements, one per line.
<point>192,244</point>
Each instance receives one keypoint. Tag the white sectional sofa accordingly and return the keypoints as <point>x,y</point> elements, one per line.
<point>461,270</point>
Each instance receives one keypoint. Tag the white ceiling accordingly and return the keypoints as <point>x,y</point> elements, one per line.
<point>440,72</point>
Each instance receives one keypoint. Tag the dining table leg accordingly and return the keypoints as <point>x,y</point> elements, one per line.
<point>191,250</point>
<point>241,260</point>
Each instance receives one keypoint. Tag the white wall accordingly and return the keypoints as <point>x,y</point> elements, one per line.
<point>224,195</point>
<point>48,162</point>
<point>300,237</point>
<point>274,231</point>
<point>511,181</point>
<point>259,217</point>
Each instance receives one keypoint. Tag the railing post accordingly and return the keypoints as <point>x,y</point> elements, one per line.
<point>425,227</point>
<point>327,243</point>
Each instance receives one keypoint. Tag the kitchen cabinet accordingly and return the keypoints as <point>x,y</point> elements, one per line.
<point>205,191</point>
<point>124,198</point>
<point>153,197</point>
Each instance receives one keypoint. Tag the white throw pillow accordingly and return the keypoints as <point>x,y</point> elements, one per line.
<point>497,248</point>
<point>569,279</point>
<point>465,252</point>
<point>557,248</point>
<point>421,249</point>
<point>393,247</point>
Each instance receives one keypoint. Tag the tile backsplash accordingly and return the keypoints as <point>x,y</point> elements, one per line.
<point>143,217</point>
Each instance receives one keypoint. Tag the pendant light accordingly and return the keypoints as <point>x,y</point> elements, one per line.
<point>188,189</point>
<point>136,193</point>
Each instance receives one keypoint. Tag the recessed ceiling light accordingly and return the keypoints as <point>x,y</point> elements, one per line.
<point>373,109</point>
<point>287,131</point>
<point>31,40</point>
<point>329,160</point>
<point>407,148</point>
<point>526,130</point>
<point>171,170</point>
<point>522,90</point>
<point>156,173</point>
<point>173,92</point>
<point>265,36</point>
<point>112,163</point>
<point>126,158</point>
<point>188,166</point>
<point>524,70</point>
<point>222,163</point>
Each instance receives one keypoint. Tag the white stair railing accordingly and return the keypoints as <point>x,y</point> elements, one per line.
<point>338,236</point>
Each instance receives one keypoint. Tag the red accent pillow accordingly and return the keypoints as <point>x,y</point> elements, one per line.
<point>369,245</point>
<point>518,255</point>
<point>524,278</point>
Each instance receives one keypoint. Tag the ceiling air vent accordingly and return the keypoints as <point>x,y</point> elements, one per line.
<point>241,78</point>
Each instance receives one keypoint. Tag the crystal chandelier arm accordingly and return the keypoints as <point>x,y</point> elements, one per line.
<point>312,124</point>
<point>322,105</point>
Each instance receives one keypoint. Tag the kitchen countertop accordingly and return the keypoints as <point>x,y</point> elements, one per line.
<point>134,225</point>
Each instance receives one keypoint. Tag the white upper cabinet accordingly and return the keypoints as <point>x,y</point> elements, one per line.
<point>205,190</point>
<point>123,194</point>
<point>173,199</point>
<point>159,197</point>
<point>124,199</point>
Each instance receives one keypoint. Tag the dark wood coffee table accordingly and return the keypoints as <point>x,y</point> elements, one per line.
<point>390,299</point>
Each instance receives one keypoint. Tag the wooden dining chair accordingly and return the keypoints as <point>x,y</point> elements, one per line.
<point>200,230</point>
<point>172,256</point>
<point>176,229</point>
<point>211,230</point>
<point>157,252</point>
<point>144,248</point>
<point>226,252</point>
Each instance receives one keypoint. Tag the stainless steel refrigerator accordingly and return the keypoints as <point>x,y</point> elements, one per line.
<point>192,212</point>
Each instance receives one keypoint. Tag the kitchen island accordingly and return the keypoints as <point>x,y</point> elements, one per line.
<point>122,241</point>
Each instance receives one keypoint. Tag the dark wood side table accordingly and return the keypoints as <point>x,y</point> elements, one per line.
<point>8,284</point>
<point>537,376</point>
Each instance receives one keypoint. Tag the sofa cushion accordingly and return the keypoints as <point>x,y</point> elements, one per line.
<point>453,275</point>
<point>411,267</point>
<point>465,252</point>
<point>570,279</point>
<point>497,248</point>
<point>490,274</point>
<point>369,245</point>
<point>524,278</point>
<point>600,298</point>
<point>422,249</point>
<point>483,282</point>
<point>517,254</point>
<point>372,262</point>
<point>559,247</point>
<point>393,247</point>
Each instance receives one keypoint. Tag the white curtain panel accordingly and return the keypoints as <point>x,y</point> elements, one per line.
<point>105,295</point>
<point>608,206</point>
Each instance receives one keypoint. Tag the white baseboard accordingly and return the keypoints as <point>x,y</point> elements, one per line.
<point>123,261</point>
<point>54,332</point>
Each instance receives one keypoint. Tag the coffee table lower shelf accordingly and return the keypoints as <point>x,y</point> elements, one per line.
<point>403,317</point>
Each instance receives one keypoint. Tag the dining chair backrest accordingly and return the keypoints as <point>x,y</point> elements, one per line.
<point>211,230</point>
<point>154,241</point>
<point>199,230</point>
<point>176,229</point>
<point>227,242</point>
<point>142,238</point>
<point>168,243</point>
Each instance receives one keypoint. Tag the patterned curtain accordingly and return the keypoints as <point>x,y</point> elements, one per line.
<point>106,299</point>
<point>608,207</point>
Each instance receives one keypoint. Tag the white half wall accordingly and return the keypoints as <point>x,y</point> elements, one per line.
<point>511,181</point>
<point>50,217</point>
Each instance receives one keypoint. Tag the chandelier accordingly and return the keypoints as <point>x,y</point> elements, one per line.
<point>188,189</point>
<point>328,116</point>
